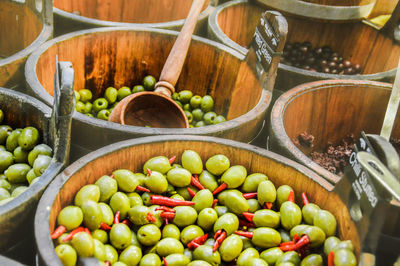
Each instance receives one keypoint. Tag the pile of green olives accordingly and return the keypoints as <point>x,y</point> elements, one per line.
<point>198,110</point>
<point>22,159</point>
<point>182,222</point>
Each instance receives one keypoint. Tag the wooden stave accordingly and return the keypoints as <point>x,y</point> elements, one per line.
<point>112,132</point>
<point>15,214</point>
<point>12,67</point>
<point>288,76</point>
<point>42,233</point>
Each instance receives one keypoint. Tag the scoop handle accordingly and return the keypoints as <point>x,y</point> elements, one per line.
<point>176,58</point>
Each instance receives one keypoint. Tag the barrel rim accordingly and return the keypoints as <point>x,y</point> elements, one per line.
<point>105,23</point>
<point>223,38</point>
<point>279,108</point>
<point>42,231</point>
<point>33,191</point>
<point>36,87</point>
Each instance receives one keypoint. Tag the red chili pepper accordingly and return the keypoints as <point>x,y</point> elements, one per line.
<point>305,199</point>
<point>303,241</point>
<point>268,205</point>
<point>105,226</point>
<point>168,215</point>
<point>150,217</point>
<point>88,231</point>
<point>251,195</point>
<point>73,232</point>
<point>245,234</point>
<point>112,175</point>
<point>164,208</point>
<point>220,188</point>
<point>243,223</point>
<point>215,201</point>
<point>191,192</point>
<point>116,218</point>
<point>291,196</point>
<point>196,183</point>
<point>166,221</point>
<point>172,159</point>
<point>58,232</point>
<point>143,189</point>
<point>165,201</point>
<point>219,240</point>
<point>249,216</point>
<point>331,259</point>
<point>165,261</point>
<point>218,233</point>
<point>107,263</point>
<point>192,245</point>
<point>148,171</point>
<point>196,176</point>
<point>198,241</point>
<point>296,238</point>
<point>126,222</point>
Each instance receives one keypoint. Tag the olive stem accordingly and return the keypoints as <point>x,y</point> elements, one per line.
<point>196,183</point>
<point>116,218</point>
<point>215,201</point>
<point>291,196</point>
<point>105,226</point>
<point>165,201</point>
<point>150,217</point>
<point>143,189</point>
<point>305,199</point>
<point>58,232</point>
<point>249,216</point>
<point>251,195</point>
<point>172,159</point>
<point>331,259</point>
<point>245,234</point>
<point>191,192</point>
<point>220,188</point>
<point>73,232</point>
<point>219,240</point>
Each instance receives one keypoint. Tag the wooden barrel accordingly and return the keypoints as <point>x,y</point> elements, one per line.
<point>132,154</point>
<point>16,216</point>
<point>9,262</point>
<point>24,26</point>
<point>167,14</point>
<point>119,57</point>
<point>361,44</point>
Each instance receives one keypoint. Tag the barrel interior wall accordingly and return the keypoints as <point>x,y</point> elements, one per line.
<point>134,157</point>
<point>123,58</point>
<point>142,11</point>
<point>341,2</point>
<point>20,26</point>
<point>333,112</point>
<point>379,54</point>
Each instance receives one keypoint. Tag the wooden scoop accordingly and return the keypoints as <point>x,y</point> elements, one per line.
<point>157,109</point>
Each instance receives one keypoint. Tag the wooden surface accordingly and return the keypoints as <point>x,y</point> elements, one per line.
<point>16,216</point>
<point>168,14</point>
<point>234,23</point>
<point>341,2</point>
<point>132,154</point>
<point>329,110</point>
<point>22,30</point>
<point>123,56</point>
<point>383,7</point>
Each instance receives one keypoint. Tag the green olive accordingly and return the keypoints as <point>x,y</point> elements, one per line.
<point>92,215</point>
<point>108,186</point>
<point>171,231</point>
<point>177,260</point>
<point>41,149</point>
<point>111,253</point>
<point>150,259</point>
<point>234,200</point>
<point>138,88</point>
<point>120,236</point>
<point>347,244</point>
<point>123,92</point>
<point>330,244</point>
<point>312,260</point>
<point>344,257</point>
<point>207,103</point>
<point>28,138</point>
<point>192,162</point>
<point>5,184</point>
<point>265,237</point>
<point>16,173</point>
<point>246,255</point>
<point>4,194</point>
<point>156,182</point>
<point>131,255</point>
<point>197,114</point>
<point>120,202</point>
<point>208,180</point>
<point>80,107</point>
<point>200,124</point>
<point>326,221</point>
<point>190,232</point>
<point>228,222</point>
<point>179,177</point>
<point>252,181</point>
<point>254,205</point>
<point>184,216</point>
<point>104,114</point>
<point>309,212</point>
<point>111,95</point>
<point>83,244</point>
<point>41,163</point>
<point>70,217</point>
<point>160,164</point>
<point>167,246</point>
<point>203,199</point>
<point>134,199</point>
<point>185,96</point>
<point>219,119</point>
<point>66,254</point>
<point>199,263</point>
<point>316,235</point>
<point>290,215</point>
<point>290,256</point>
<point>231,248</point>
<point>217,164</point>
<point>206,253</point>
<point>282,194</point>
<point>149,82</point>
<point>12,140</point>
<point>271,255</point>
<point>107,213</point>
<point>266,192</point>
<point>209,118</point>
<point>126,179</point>
<point>100,235</point>
<point>6,160</point>
<point>134,240</point>
<point>99,104</point>
<point>20,155</point>
<point>234,176</point>
<point>267,218</point>
<point>5,131</point>
<point>99,250</point>
<point>137,214</point>
<point>149,235</point>
<point>206,218</point>
<point>87,192</point>
<point>85,95</point>
<point>18,191</point>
